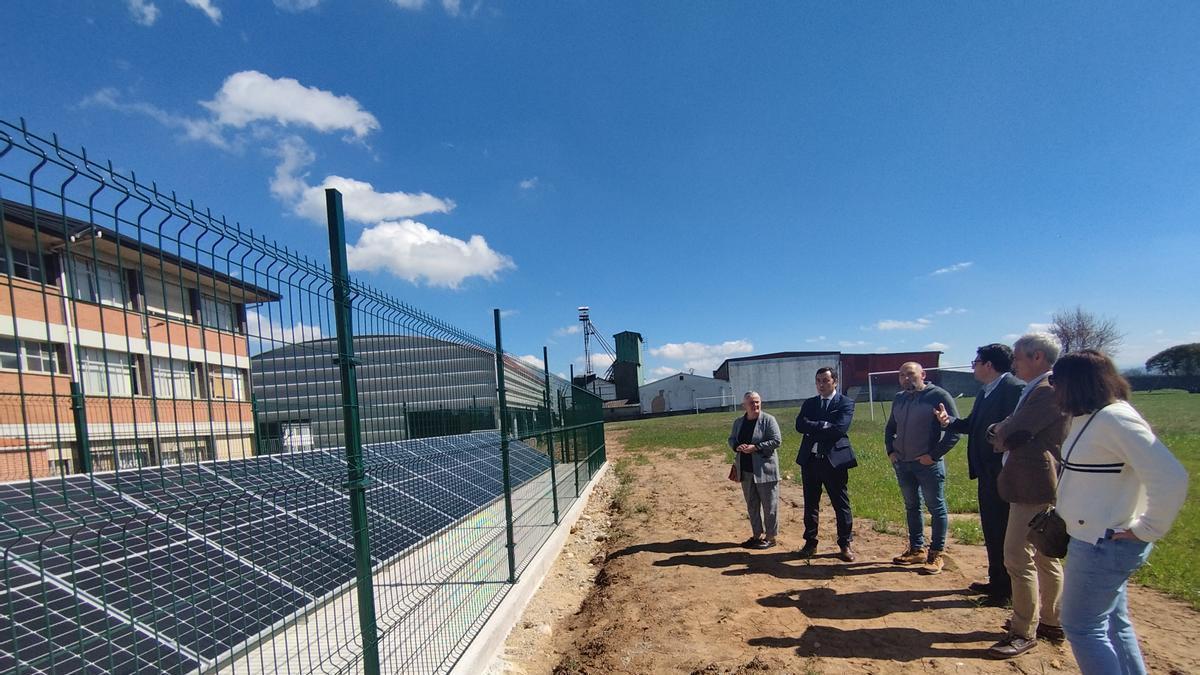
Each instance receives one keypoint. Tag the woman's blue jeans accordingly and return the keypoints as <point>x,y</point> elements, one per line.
<point>918,481</point>
<point>1095,609</point>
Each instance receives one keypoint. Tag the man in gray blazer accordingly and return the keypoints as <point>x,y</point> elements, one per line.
<point>994,402</point>
<point>754,440</point>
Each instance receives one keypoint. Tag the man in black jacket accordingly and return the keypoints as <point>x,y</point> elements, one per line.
<point>996,401</point>
<point>825,458</point>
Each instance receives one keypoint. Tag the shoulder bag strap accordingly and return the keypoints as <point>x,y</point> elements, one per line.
<point>1067,457</point>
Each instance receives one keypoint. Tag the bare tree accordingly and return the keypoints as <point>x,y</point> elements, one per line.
<point>1080,329</point>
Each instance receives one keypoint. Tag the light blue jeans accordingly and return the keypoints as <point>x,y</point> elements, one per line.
<point>918,481</point>
<point>1095,609</point>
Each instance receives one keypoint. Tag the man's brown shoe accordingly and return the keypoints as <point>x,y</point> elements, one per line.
<point>912,556</point>
<point>1012,645</point>
<point>934,563</point>
<point>847,554</point>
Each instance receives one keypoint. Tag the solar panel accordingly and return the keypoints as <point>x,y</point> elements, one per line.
<point>169,568</point>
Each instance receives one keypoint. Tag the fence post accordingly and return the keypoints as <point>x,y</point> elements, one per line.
<point>357,480</point>
<point>254,420</point>
<point>550,433</point>
<point>79,410</point>
<point>502,403</point>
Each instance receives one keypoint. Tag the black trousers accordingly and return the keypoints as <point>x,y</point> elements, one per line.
<point>993,518</point>
<point>818,474</point>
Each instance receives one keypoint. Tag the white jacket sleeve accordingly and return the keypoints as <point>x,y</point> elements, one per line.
<point>1162,476</point>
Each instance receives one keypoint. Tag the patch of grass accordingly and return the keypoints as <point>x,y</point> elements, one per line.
<point>620,495</point>
<point>874,494</point>
<point>966,531</point>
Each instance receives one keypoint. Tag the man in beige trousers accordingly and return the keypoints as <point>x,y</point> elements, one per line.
<point>1031,439</point>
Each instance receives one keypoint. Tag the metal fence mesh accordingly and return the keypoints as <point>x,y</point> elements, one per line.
<point>217,454</point>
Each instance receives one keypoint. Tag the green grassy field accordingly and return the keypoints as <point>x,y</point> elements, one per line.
<point>1175,417</point>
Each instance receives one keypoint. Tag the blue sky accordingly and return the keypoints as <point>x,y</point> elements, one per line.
<point>724,178</point>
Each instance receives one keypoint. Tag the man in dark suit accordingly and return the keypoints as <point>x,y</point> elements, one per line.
<point>995,401</point>
<point>825,458</point>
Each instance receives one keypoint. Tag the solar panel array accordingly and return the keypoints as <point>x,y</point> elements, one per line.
<point>174,569</point>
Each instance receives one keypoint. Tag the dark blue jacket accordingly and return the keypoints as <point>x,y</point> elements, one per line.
<point>824,430</point>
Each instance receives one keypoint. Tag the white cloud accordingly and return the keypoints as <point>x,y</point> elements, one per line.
<point>206,6</point>
<point>663,371</point>
<point>573,329</point>
<point>364,204</point>
<point>851,344</point>
<point>265,334</point>
<point>937,346</point>
<point>819,338</point>
<point>505,313</point>
<point>193,129</point>
<point>535,361</point>
<point>360,201</point>
<point>296,5</point>
<point>250,96</point>
<point>700,356</point>
<point>416,252</point>
<point>893,324</point>
<point>600,362</point>
<point>143,12</point>
<point>452,7</point>
<point>956,267</point>
<point>950,310</point>
<point>1039,328</point>
<point>528,183</point>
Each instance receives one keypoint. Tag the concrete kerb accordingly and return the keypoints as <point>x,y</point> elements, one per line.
<point>487,645</point>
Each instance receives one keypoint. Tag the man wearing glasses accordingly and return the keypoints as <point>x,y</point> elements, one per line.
<point>994,402</point>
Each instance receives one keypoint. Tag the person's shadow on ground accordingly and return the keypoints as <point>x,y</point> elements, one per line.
<point>827,603</point>
<point>675,546</point>
<point>783,565</point>
<point>888,644</point>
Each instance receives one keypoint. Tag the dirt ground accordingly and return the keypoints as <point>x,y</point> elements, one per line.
<point>654,582</point>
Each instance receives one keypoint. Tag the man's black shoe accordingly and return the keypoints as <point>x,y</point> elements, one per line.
<point>1051,633</point>
<point>980,587</point>
<point>809,550</point>
<point>752,542</point>
<point>1001,601</point>
<point>764,544</point>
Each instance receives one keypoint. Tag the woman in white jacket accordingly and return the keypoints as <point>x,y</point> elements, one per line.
<point>1119,492</point>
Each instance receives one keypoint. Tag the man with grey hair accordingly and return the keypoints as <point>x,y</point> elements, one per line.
<point>1030,438</point>
<point>754,440</point>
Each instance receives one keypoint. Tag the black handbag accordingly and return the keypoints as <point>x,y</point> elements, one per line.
<point>1048,530</point>
<point>1048,534</point>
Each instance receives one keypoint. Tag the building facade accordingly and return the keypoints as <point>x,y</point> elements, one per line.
<point>154,345</point>
<point>684,391</point>
<point>789,377</point>
<point>408,387</point>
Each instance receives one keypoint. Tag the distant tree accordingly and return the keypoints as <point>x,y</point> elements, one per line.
<point>1080,329</point>
<point>1177,360</point>
<point>1134,372</point>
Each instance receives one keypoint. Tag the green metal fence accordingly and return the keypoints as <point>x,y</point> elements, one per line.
<point>220,455</point>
